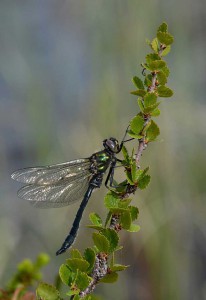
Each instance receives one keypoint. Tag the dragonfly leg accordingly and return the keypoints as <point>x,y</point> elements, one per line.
<point>123,140</point>
<point>110,175</point>
<point>119,160</point>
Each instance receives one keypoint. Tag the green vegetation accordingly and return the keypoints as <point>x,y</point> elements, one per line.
<point>83,271</point>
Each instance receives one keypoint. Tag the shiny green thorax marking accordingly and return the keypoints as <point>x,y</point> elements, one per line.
<point>102,156</point>
<point>101,160</point>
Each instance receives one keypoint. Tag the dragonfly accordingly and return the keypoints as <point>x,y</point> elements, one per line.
<point>63,184</point>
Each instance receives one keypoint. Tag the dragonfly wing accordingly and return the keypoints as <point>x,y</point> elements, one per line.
<point>57,195</point>
<point>52,174</point>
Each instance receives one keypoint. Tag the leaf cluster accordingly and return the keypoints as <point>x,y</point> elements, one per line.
<point>27,274</point>
<point>156,72</point>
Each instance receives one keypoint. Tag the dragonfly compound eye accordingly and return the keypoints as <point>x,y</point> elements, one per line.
<point>112,144</point>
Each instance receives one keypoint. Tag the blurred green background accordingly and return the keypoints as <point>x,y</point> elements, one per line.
<point>66,69</point>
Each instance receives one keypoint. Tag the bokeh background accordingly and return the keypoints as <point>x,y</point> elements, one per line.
<point>66,69</point>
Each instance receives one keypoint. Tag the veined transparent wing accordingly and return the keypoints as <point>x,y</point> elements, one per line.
<point>53,174</point>
<point>55,195</point>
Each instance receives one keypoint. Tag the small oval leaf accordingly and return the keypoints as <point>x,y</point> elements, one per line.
<point>165,38</point>
<point>77,264</point>
<point>89,255</point>
<point>110,278</point>
<point>66,274</point>
<point>137,124</point>
<point>112,237</point>
<point>152,132</point>
<point>101,242</point>
<point>138,82</point>
<point>164,91</point>
<point>47,292</point>
<point>95,219</point>
<point>126,219</point>
<point>134,228</point>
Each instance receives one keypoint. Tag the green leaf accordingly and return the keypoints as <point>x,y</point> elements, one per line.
<point>138,82</point>
<point>134,135</point>
<point>165,38</point>
<point>166,51</point>
<point>75,253</point>
<point>66,274</point>
<point>148,80</point>
<point>126,220</point>
<point>124,203</point>
<point>166,71</point>
<point>143,183</point>
<point>110,278</point>
<point>82,280</point>
<point>154,45</point>
<point>101,242</point>
<point>150,99</point>
<point>134,228</point>
<point>156,65</point>
<point>134,211</point>
<point>95,219</point>
<point>76,297</point>
<point>151,108</point>
<point>140,103</point>
<point>152,57</point>
<point>140,174</point>
<point>89,255</point>
<point>125,154</point>
<point>138,93</point>
<point>112,237</point>
<point>118,248</point>
<point>118,267</point>
<point>99,228</point>
<point>155,112</point>
<point>111,200</point>
<point>163,27</point>
<point>152,132</point>
<point>162,78</point>
<point>117,210</point>
<point>47,292</point>
<point>135,173</point>
<point>91,297</point>
<point>164,91</point>
<point>77,264</point>
<point>114,204</point>
<point>129,177</point>
<point>108,218</point>
<point>137,124</point>
<point>72,292</point>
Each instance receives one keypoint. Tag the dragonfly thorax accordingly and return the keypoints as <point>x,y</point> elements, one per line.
<point>111,145</point>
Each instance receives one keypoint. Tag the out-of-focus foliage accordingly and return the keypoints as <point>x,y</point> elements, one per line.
<point>27,275</point>
<point>62,62</point>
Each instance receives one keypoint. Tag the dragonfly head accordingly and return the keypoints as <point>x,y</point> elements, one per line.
<point>111,145</point>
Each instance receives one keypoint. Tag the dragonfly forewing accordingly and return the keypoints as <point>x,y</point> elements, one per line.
<point>56,195</point>
<point>52,174</point>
